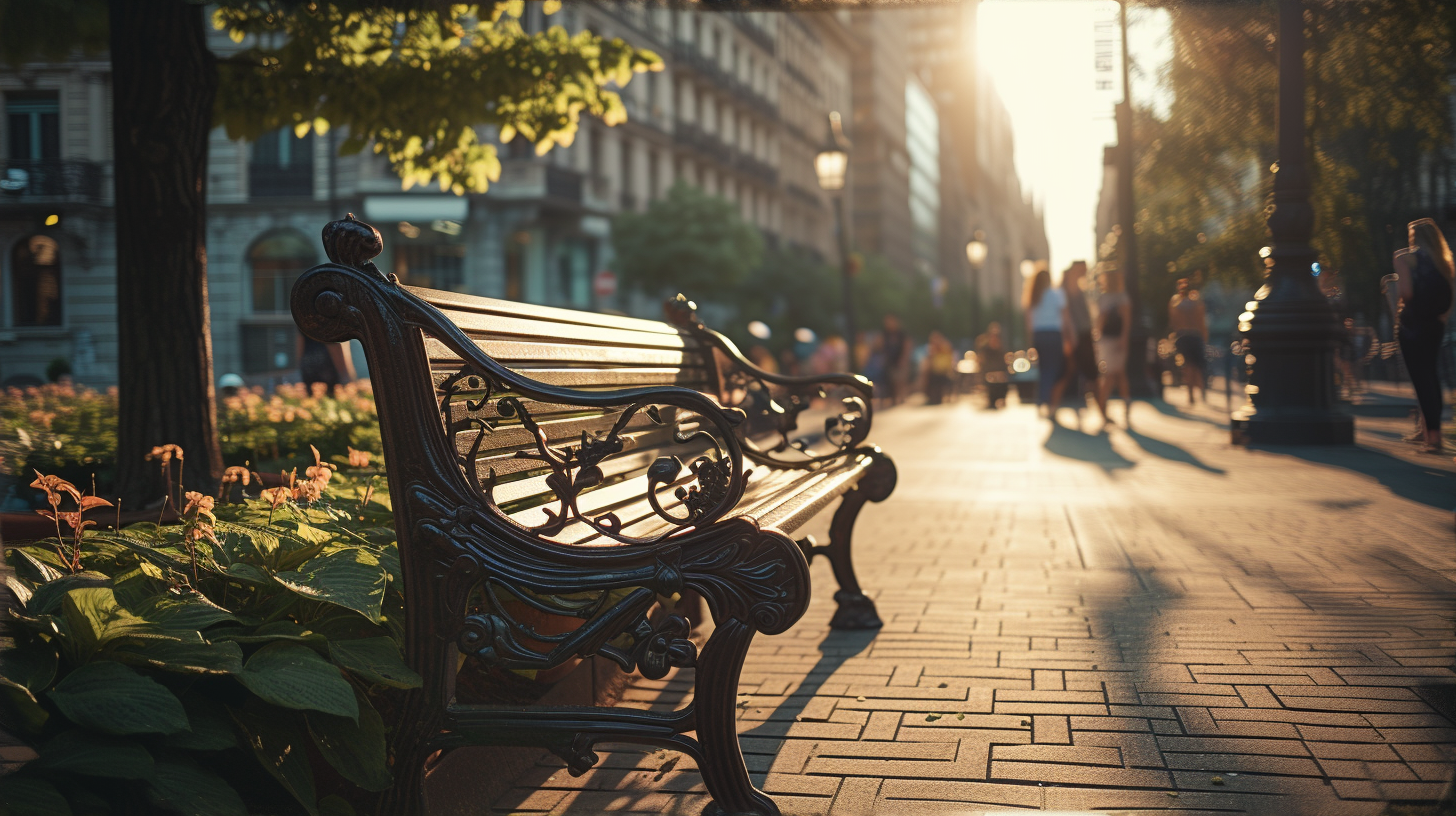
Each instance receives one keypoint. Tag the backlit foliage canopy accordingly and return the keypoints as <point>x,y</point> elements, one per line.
<point>414,82</point>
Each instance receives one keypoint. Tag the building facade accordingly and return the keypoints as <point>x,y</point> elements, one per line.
<point>739,109</point>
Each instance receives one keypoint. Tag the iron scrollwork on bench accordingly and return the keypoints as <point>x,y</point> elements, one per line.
<point>773,402</point>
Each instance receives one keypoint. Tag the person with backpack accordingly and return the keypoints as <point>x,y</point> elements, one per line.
<point>1114,322</point>
<point>1425,271</point>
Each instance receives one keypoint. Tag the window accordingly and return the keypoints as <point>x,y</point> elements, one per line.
<point>33,126</point>
<point>282,165</point>
<point>35,281</point>
<point>430,256</point>
<point>277,259</point>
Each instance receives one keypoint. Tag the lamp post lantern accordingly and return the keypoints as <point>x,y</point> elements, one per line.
<point>1292,333</point>
<point>831,165</point>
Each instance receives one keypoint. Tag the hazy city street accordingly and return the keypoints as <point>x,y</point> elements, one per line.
<point>1152,620</point>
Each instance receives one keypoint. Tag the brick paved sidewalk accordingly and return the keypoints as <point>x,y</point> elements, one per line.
<point>1138,621</point>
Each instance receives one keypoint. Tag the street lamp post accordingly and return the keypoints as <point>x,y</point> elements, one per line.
<point>976,251</point>
<point>831,165</point>
<point>1292,332</point>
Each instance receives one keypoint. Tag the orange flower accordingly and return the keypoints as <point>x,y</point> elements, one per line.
<point>54,486</point>
<point>309,491</point>
<point>202,504</point>
<point>166,453</point>
<point>358,459</point>
<point>276,496</point>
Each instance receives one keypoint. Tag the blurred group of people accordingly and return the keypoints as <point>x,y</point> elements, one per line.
<point>1080,334</point>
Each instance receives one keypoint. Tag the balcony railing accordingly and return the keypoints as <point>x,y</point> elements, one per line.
<point>52,180</point>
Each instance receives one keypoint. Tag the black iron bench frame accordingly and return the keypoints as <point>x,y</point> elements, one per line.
<point>462,554</point>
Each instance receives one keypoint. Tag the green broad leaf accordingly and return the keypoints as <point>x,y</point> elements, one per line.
<point>92,754</point>
<point>107,696</point>
<point>334,805</point>
<point>32,665</point>
<point>375,660</point>
<point>222,657</point>
<point>389,559</point>
<point>25,796</point>
<point>95,619</point>
<point>294,676</point>
<point>243,541</point>
<point>193,791</point>
<point>247,572</point>
<point>212,726</point>
<point>268,633</point>
<point>351,578</point>
<point>191,613</point>
<point>312,534</point>
<point>46,600</point>
<point>148,549</point>
<point>43,564</point>
<point>281,746</point>
<point>20,711</point>
<point>356,750</point>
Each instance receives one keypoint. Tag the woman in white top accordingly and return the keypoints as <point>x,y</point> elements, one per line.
<point>1046,319</point>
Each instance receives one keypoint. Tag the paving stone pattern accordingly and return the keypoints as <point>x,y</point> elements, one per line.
<point>1147,621</point>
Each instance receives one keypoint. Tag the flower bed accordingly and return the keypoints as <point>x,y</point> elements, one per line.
<point>70,432</point>
<point>232,663</point>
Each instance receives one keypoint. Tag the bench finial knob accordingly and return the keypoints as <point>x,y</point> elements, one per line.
<point>679,311</point>
<point>352,242</point>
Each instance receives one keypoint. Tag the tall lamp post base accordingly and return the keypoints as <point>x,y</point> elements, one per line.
<point>1291,392</point>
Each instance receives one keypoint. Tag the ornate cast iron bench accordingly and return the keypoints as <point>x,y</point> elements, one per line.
<point>545,512</point>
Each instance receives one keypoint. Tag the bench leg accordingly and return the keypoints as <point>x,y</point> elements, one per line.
<point>855,610</point>
<point>723,770</point>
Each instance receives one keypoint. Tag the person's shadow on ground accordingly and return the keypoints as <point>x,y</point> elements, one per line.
<point>1171,452</point>
<point>836,647</point>
<point>1095,448</point>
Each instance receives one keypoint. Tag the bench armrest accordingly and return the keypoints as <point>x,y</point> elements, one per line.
<point>773,402</point>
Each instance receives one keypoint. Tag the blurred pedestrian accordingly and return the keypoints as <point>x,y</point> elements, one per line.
<point>1047,324</point>
<point>1114,323</point>
<point>895,346</point>
<point>991,357</point>
<point>764,359</point>
<point>327,363</point>
<point>1081,369</point>
<point>1188,319</point>
<point>939,366</point>
<point>1425,286</point>
<point>832,356</point>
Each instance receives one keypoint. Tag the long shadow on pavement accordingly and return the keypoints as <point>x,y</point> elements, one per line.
<point>1094,448</point>
<point>1171,452</point>
<point>1427,485</point>
<point>836,647</point>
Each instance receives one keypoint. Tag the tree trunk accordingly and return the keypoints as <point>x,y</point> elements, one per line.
<point>164,80</point>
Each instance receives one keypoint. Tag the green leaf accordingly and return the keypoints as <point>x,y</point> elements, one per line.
<point>43,563</point>
<point>281,747</point>
<point>96,619</point>
<point>48,596</point>
<point>375,660</point>
<point>86,802</point>
<point>193,791</point>
<point>32,665</point>
<point>194,612</point>
<point>24,796</point>
<point>249,573</point>
<point>110,697</point>
<point>356,750</point>
<point>212,727</point>
<point>294,676</point>
<point>91,754</point>
<point>223,657</point>
<point>20,711</point>
<point>351,578</point>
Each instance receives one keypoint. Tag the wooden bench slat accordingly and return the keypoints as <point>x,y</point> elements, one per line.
<point>597,378</point>
<point>507,325</point>
<point>515,353</point>
<point>471,305</point>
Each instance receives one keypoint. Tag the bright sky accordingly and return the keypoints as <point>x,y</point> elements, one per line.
<point>1042,55</point>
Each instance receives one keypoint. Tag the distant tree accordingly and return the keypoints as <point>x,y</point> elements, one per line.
<point>687,241</point>
<point>1378,118</point>
<point>412,79</point>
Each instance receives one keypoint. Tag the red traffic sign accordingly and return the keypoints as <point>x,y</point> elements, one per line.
<point>604,283</point>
